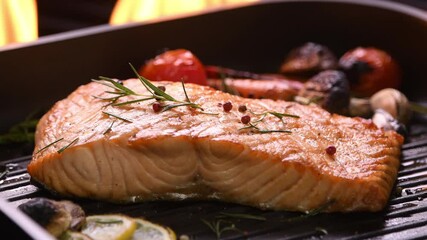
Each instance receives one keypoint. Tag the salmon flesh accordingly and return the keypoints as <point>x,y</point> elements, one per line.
<point>284,156</point>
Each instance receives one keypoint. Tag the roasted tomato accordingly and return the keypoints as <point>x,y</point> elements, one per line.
<point>175,65</point>
<point>370,70</point>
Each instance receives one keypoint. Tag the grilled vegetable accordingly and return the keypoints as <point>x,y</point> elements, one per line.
<point>175,65</point>
<point>55,216</point>
<point>370,70</point>
<point>308,59</point>
<point>329,89</point>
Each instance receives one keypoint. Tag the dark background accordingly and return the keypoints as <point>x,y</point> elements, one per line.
<point>61,16</point>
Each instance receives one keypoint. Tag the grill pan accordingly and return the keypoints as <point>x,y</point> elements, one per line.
<point>249,37</point>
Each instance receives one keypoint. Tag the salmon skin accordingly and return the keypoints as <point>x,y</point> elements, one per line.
<point>287,157</point>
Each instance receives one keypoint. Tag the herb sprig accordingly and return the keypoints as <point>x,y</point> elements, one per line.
<point>254,124</point>
<point>223,222</point>
<point>155,93</point>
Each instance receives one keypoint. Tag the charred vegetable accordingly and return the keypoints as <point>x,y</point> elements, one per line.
<point>308,59</point>
<point>55,216</point>
<point>329,89</point>
<point>370,70</point>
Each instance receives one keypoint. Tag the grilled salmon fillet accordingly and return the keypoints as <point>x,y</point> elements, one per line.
<point>287,157</point>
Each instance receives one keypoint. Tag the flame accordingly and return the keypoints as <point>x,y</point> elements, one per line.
<point>141,10</point>
<point>18,18</point>
<point>18,21</point>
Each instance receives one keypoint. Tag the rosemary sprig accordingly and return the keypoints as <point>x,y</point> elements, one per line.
<point>155,94</point>
<point>109,128</point>
<point>109,221</point>
<point>116,116</point>
<point>119,92</point>
<point>3,173</point>
<point>219,226</point>
<point>47,146</point>
<point>223,223</point>
<point>311,213</point>
<point>276,114</point>
<point>68,145</point>
<point>258,130</point>
<point>253,124</point>
<point>242,216</point>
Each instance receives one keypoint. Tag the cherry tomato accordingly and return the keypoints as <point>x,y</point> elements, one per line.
<point>370,70</point>
<point>175,65</point>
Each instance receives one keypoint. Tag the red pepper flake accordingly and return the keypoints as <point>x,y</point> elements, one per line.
<point>242,108</point>
<point>227,106</point>
<point>245,119</point>
<point>157,107</point>
<point>331,150</point>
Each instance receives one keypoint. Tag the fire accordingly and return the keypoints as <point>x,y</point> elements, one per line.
<point>18,21</point>
<point>141,10</point>
<point>18,18</point>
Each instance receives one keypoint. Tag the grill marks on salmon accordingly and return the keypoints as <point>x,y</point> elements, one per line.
<point>182,153</point>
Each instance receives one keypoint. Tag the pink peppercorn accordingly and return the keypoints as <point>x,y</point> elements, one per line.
<point>245,119</point>
<point>227,106</point>
<point>331,150</point>
<point>157,107</point>
<point>242,108</point>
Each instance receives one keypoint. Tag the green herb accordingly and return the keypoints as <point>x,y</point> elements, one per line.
<point>20,133</point>
<point>258,130</point>
<point>224,86</point>
<point>276,114</point>
<point>4,173</point>
<point>109,128</point>
<point>312,212</point>
<point>418,108</point>
<point>163,96</point>
<point>242,216</point>
<point>116,116</point>
<point>220,226</point>
<point>254,123</point>
<point>104,221</point>
<point>50,144</point>
<point>68,145</point>
<point>156,94</point>
<point>223,223</point>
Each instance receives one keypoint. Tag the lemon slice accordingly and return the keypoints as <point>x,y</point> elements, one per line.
<point>109,227</point>
<point>72,235</point>
<point>149,231</point>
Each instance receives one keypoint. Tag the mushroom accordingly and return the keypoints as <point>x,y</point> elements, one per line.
<point>329,89</point>
<point>308,59</point>
<point>386,121</point>
<point>55,216</point>
<point>389,99</point>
